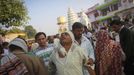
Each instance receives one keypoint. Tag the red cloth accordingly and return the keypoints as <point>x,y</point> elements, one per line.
<point>108,55</point>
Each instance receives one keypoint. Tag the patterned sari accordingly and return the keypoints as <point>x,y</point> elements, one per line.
<point>108,55</point>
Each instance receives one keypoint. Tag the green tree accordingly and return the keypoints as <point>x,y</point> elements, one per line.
<point>13,13</point>
<point>3,31</point>
<point>30,31</point>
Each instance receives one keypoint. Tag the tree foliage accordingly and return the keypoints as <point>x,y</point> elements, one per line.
<point>30,31</point>
<point>13,13</point>
<point>12,30</point>
<point>3,31</point>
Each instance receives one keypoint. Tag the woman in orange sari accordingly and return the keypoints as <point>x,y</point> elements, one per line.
<point>108,55</point>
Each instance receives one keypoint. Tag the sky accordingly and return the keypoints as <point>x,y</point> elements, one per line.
<point>43,13</point>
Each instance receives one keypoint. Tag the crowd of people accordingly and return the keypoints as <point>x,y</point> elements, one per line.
<point>75,52</point>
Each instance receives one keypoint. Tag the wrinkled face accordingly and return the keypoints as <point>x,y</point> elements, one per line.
<point>41,40</point>
<point>65,38</point>
<point>115,28</point>
<point>78,33</point>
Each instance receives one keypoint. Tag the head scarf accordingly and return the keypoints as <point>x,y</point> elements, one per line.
<point>20,43</point>
<point>61,49</point>
<point>70,34</point>
<point>108,55</point>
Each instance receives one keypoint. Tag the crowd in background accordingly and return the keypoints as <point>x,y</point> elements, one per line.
<point>75,52</point>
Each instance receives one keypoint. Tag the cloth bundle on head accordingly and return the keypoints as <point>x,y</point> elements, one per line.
<point>20,43</point>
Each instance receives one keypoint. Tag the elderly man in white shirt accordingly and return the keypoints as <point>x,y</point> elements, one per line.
<point>82,41</point>
<point>68,57</point>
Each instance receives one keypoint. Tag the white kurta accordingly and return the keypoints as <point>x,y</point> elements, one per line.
<point>88,49</point>
<point>72,63</point>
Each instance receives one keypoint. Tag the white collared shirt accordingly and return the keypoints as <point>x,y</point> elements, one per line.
<point>88,49</point>
<point>86,44</point>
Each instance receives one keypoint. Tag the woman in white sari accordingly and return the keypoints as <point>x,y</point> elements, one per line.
<point>68,57</point>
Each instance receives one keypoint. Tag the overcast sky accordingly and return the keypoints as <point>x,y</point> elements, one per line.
<point>44,13</point>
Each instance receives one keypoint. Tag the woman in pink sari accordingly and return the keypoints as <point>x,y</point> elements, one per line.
<point>108,55</point>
